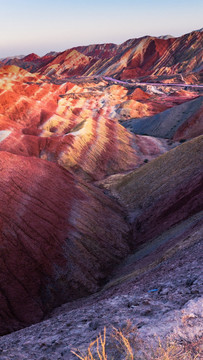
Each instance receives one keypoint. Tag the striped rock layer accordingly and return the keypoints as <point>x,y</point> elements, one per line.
<point>74,125</point>
<point>54,243</point>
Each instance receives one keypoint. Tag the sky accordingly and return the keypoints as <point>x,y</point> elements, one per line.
<point>41,26</point>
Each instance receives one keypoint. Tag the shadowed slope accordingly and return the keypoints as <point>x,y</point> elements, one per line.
<point>180,122</point>
<point>163,192</point>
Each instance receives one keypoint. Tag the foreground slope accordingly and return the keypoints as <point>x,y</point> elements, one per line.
<point>164,300</point>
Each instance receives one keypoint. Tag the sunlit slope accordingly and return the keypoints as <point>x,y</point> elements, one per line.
<point>75,125</point>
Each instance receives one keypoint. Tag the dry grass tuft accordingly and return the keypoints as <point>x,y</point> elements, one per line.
<point>126,344</point>
<point>97,346</point>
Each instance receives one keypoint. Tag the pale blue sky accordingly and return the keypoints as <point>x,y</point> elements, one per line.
<point>43,25</point>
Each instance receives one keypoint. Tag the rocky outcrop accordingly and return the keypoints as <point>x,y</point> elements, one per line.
<point>67,64</point>
<point>59,238</point>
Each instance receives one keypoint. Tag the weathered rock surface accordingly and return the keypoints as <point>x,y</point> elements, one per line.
<point>58,239</point>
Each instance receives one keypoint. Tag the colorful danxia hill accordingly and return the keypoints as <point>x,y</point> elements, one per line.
<point>100,159</point>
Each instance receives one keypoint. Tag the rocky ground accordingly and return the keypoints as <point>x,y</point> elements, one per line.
<point>164,300</point>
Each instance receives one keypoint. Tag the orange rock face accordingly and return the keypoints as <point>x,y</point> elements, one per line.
<point>139,94</point>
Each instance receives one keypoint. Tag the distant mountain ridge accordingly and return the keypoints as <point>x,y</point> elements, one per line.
<point>146,57</point>
<point>5,60</point>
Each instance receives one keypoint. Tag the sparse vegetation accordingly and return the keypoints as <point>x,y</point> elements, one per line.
<point>126,344</point>
<point>96,347</point>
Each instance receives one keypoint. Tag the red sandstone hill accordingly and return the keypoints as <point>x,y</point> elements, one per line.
<point>53,240</point>
<point>30,57</point>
